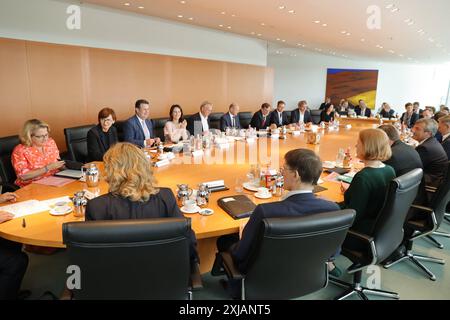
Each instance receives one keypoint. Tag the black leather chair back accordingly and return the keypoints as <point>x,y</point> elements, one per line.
<point>441,198</point>
<point>158,127</point>
<point>214,119</point>
<point>130,259</point>
<point>388,230</point>
<point>76,142</point>
<point>7,173</point>
<point>245,118</point>
<point>315,115</point>
<point>120,127</point>
<point>290,254</point>
<point>289,115</point>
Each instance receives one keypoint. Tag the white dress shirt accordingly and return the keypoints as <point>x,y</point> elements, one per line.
<point>204,123</point>
<point>145,129</point>
<point>445,137</point>
<point>295,192</point>
<point>280,117</point>
<point>301,117</point>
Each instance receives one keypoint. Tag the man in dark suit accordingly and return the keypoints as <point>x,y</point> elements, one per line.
<point>362,110</point>
<point>230,119</point>
<point>13,262</point>
<point>404,157</point>
<point>434,158</point>
<point>301,172</point>
<point>444,130</point>
<point>301,115</point>
<point>199,123</point>
<point>139,129</point>
<point>278,116</point>
<point>326,104</point>
<point>261,119</point>
<point>410,117</point>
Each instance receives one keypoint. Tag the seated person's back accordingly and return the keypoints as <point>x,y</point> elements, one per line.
<point>132,191</point>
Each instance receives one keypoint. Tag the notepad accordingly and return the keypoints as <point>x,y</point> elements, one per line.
<point>54,181</point>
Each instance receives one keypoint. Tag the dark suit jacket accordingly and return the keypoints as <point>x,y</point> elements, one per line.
<point>389,115</point>
<point>404,158</point>
<point>161,205</point>
<point>194,124</point>
<point>434,160</point>
<point>225,122</point>
<point>324,117</point>
<point>296,205</point>
<point>324,106</point>
<point>133,132</point>
<point>446,146</point>
<point>257,121</point>
<point>412,121</point>
<point>99,142</point>
<point>274,118</point>
<point>367,113</point>
<point>295,116</point>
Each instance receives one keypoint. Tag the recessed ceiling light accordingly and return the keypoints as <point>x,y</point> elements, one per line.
<point>348,34</point>
<point>282,7</point>
<point>229,27</point>
<point>343,32</point>
<point>291,11</point>
<point>126,4</point>
<point>259,34</point>
<point>141,7</point>
<point>299,44</point>
<point>223,12</point>
<point>395,9</point>
<point>180,16</point>
<point>278,39</point>
<point>183,2</point>
<point>221,25</point>
<point>317,21</point>
<point>283,40</point>
<point>324,25</point>
<point>390,6</point>
<point>263,24</point>
<point>191,18</point>
<point>391,51</point>
<point>252,33</point>
<point>431,39</point>
<point>380,47</point>
<point>233,15</point>
<point>401,55</point>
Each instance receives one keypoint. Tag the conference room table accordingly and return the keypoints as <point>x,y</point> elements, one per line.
<point>43,229</point>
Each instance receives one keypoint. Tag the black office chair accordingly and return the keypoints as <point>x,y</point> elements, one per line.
<point>245,118</point>
<point>214,119</point>
<point>423,222</point>
<point>289,116</point>
<point>289,258</point>
<point>131,259</point>
<point>158,127</point>
<point>120,128</point>
<point>365,250</point>
<point>7,173</point>
<point>76,142</point>
<point>315,115</point>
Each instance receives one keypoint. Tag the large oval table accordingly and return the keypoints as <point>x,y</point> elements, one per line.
<point>42,229</point>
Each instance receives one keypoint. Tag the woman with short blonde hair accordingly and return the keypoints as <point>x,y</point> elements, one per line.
<point>367,191</point>
<point>132,191</point>
<point>37,156</point>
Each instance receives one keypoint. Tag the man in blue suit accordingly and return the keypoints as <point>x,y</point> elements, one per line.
<point>301,114</point>
<point>139,129</point>
<point>362,110</point>
<point>230,119</point>
<point>301,172</point>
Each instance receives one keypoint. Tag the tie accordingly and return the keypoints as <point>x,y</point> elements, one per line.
<point>146,131</point>
<point>280,116</point>
<point>263,122</point>
<point>232,122</point>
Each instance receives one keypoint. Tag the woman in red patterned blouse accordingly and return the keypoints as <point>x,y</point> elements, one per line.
<point>37,156</point>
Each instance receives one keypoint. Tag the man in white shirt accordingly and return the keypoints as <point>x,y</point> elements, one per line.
<point>139,129</point>
<point>199,123</point>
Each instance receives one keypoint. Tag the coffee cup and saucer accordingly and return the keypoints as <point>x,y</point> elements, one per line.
<point>190,206</point>
<point>61,209</point>
<point>263,193</point>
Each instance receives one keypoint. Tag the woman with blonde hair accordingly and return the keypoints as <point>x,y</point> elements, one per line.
<point>132,191</point>
<point>369,186</point>
<point>37,156</point>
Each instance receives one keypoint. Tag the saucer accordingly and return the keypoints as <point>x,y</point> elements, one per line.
<point>265,196</point>
<point>194,210</point>
<point>250,186</point>
<point>61,211</point>
<point>206,212</point>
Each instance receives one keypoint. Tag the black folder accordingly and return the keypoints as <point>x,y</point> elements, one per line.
<point>237,207</point>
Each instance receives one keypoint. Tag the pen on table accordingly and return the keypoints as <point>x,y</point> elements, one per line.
<point>24,224</point>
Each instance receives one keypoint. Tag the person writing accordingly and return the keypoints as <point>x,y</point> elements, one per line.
<point>37,156</point>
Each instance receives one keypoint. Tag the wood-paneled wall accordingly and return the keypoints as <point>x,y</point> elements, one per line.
<point>66,86</point>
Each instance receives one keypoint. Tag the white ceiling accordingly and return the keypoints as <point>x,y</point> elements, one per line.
<point>397,40</point>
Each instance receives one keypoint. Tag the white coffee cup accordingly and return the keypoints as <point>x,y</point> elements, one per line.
<point>190,205</point>
<point>263,191</point>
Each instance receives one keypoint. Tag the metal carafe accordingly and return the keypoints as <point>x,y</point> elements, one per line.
<point>92,175</point>
<point>183,193</point>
